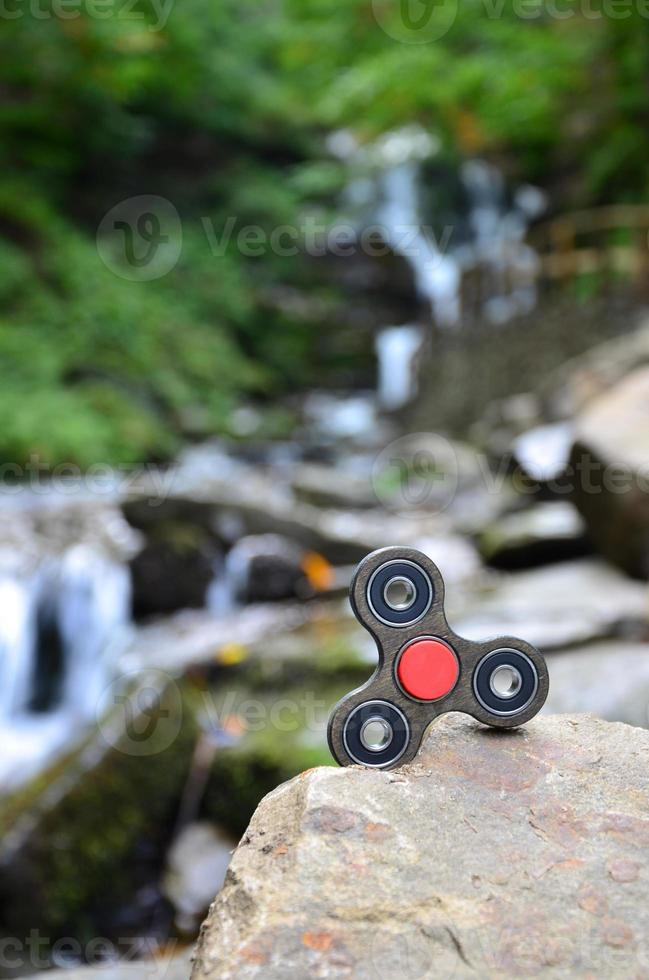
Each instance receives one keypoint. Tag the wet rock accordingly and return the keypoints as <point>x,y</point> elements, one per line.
<point>610,472</point>
<point>610,680</point>
<point>174,569</point>
<point>34,528</point>
<point>195,638</point>
<point>225,493</point>
<point>555,606</point>
<point>586,377</point>
<point>83,838</point>
<point>263,568</point>
<point>332,486</point>
<point>503,420</point>
<point>196,866</point>
<point>545,532</point>
<point>485,857</point>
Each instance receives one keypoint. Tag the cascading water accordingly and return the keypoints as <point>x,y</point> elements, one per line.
<point>385,191</point>
<point>396,349</point>
<point>64,615</point>
<point>498,240</point>
<point>437,276</point>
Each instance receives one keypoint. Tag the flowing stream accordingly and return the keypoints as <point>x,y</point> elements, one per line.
<point>64,617</point>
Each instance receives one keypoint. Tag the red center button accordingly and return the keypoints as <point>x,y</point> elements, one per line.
<point>428,669</point>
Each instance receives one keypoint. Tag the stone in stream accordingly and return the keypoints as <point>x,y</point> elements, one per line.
<point>568,391</point>
<point>196,865</point>
<point>554,606</point>
<point>83,839</point>
<point>220,494</point>
<point>609,679</point>
<point>610,472</point>
<point>551,531</point>
<point>494,854</point>
<point>174,569</point>
<point>266,568</point>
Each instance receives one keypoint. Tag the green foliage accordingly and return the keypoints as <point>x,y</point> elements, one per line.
<point>222,108</point>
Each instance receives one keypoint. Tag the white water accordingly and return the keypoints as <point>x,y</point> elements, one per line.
<point>437,276</point>
<point>396,349</point>
<point>497,240</point>
<point>384,188</point>
<point>86,595</point>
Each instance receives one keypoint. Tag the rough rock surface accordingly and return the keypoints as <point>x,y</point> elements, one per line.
<point>493,855</point>
<point>611,476</point>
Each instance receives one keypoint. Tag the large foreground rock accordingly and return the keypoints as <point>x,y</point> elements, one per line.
<point>493,855</point>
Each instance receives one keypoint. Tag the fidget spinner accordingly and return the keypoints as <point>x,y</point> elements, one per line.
<point>424,668</point>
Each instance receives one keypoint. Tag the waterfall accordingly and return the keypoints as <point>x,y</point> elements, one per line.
<point>64,617</point>
<point>437,276</point>
<point>17,643</point>
<point>384,190</point>
<point>93,606</point>
<point>396,348</point>
<point>498,240</point>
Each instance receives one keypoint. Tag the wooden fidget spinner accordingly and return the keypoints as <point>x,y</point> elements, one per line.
<point>424,668</point>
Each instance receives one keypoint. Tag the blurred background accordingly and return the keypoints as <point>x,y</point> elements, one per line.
<point>282,283</point>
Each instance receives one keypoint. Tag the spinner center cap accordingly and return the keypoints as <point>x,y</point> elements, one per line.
<point>428,669</point>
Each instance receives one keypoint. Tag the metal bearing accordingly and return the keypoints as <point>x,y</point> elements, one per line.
<point>412,580</point>
<point>500,698</point>
<point>376,717</point>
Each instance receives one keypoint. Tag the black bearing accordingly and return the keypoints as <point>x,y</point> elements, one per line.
<point>360,718</point>
<point>410,573</point>
<point>523,692</point>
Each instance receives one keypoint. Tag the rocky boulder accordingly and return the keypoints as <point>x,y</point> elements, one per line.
<point>610,472</point>
<point>494,854</point>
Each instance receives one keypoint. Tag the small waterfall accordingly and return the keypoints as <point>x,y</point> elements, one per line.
<point>65,609</point>
<point>396,348</point>
<point>94,607</point>
<point>17,643</point>
<point>437,276</point>
<point>497,240</point>
<point>385,190</point>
